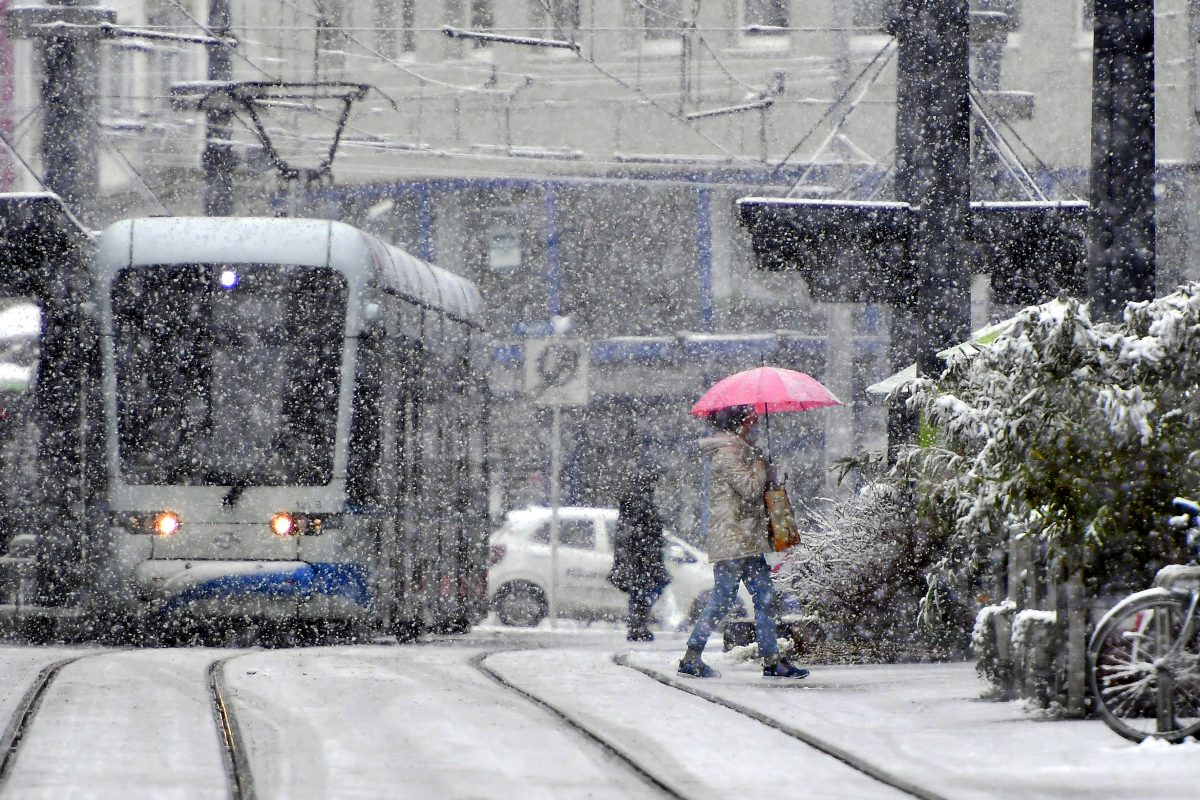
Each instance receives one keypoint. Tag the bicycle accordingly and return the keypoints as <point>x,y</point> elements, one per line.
<point>1144,657</point>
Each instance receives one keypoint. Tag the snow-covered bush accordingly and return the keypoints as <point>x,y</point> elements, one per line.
<point>859,571</point>
<point>1082,430</point>
<point>1033,645</point>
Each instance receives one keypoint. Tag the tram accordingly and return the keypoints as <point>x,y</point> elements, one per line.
<point>295,427</point>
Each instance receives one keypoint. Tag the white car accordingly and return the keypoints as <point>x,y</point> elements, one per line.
<point>519,570</point>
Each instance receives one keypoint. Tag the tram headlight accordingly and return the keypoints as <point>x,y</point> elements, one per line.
<point>289,523</point>
<point>283,524</point>
<point>166,524</point>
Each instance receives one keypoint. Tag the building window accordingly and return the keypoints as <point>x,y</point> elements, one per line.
<point>116,70</point>
<point>385,28</point>
<point>504,240</point>
<point>482,19</point>
<point>765,16</point>
<point>408,24</point>
<point>329,43</point>
<point>661,19</point>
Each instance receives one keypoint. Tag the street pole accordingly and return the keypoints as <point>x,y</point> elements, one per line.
<point>1121,247</point>
<point>931,306</point>
<point>69,128</point>
<point>217,160</point>
<point>555,501</point>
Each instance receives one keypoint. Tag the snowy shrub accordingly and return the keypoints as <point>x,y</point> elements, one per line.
<point>860,569</point>
<point>1082,430</point>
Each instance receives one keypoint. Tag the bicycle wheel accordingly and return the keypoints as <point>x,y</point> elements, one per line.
<point>1145,668</point>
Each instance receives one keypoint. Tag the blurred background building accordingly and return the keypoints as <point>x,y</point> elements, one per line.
<point>593,177</point>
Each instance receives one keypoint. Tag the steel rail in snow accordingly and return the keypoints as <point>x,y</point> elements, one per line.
<point>610,747</point>
<point>27,709</point>
<point>237,763</point>
<point>815,742</point>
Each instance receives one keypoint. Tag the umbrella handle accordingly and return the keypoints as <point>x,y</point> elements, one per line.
<point>767,430</point>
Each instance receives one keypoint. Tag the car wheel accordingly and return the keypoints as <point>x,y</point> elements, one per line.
<point>520,604</point>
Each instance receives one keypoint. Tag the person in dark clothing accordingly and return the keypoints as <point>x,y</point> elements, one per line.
<point>638,568</point>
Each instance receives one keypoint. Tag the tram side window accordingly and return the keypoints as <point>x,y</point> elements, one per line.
<point>407,412</point>
<point>363,478</point>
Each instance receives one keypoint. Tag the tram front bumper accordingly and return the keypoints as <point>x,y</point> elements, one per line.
<point>268,589</point>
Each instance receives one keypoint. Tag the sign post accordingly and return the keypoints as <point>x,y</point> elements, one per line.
<point>556,373</point>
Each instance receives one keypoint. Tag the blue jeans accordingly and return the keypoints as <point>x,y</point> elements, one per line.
<point>726,577</point>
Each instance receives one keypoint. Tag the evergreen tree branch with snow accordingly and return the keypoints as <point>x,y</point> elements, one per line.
<point>1074,432</point>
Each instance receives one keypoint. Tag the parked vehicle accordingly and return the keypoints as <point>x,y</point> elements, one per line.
<point>519,570</point>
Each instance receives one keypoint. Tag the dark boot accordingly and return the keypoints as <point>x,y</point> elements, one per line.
<point>782,668</point>
<point>691,665</point>
<point>639,633</point>
<point>639,617</point>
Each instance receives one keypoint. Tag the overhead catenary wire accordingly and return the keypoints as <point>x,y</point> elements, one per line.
<point>23,162</point>
<point>112,147</point>
<point>887,47</point>
<point>1008,159</point>
<point>668,112</point>
<point>236,51</point>
<point>850,109</point>
<point>447,91</point>
<point>1041,164</point>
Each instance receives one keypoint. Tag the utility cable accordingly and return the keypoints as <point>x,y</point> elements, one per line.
<point>1012,165</point>
<point>23,162</point>
<point>659,107</point>
<point>129,165</point>
<point>210,32</point>
<point>834,105</point>
<point>1041,165</point>
<point>850,109</point>
<point>399,66</point>
<point>724,69</point>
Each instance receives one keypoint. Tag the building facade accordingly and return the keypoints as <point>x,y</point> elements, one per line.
<point>590,175</point>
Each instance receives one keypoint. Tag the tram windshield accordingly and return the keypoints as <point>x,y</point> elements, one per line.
<point>227,374</point>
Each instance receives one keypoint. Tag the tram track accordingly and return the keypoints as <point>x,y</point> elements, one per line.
<point>611,748</point>
<point>26,711</point>
<point>237,767</point>
<point>233,748</point>
<point>851,760</point>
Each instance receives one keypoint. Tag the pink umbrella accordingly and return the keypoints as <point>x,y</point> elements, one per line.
<point>768,389</point>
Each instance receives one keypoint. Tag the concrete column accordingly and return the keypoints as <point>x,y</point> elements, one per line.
<point>1121,233</point>
<point>1190,267</point>
<point>838,378</point>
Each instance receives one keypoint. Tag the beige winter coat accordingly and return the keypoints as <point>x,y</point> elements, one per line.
<point>737,519</point>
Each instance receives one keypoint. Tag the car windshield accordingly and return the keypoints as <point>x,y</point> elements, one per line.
<point>227,374</point>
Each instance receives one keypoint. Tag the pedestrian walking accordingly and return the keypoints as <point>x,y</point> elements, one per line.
<point>737,539</point>
<point>638,568</point>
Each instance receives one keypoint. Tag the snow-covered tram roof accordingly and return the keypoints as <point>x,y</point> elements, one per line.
<point>274,240</point>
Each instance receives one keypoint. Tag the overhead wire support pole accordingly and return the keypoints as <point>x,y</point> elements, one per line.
<point>528,41</point>
<point>68,32</point>
<point>218,161</point>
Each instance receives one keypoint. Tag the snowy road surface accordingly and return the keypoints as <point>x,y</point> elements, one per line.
<point>565,713</point>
